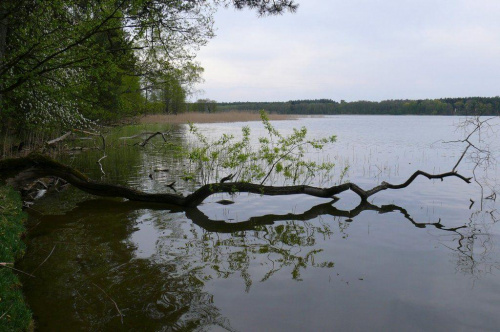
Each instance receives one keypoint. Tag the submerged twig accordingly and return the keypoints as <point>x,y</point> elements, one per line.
<point>50,254</point>
<point>6,265</point>
<point>100,165</point>
<point>109,297</point>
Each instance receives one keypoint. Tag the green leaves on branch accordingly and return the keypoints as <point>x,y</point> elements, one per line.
<point>65,61</point>
<point>274,157</point>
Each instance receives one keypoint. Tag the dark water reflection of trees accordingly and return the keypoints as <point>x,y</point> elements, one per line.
<point>94,270</point>
<point>94,264</point>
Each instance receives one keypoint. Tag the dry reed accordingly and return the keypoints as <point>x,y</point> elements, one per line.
<point>195,117</point>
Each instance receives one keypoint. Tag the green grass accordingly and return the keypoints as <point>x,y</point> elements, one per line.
<point>14,314</point>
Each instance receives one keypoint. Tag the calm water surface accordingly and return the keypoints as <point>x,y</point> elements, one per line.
<point>414,259</point>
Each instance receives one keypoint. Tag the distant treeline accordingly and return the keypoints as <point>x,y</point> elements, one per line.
<point>445,106</point>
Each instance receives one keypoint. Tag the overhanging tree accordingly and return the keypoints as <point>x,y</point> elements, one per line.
<point>52,51</point>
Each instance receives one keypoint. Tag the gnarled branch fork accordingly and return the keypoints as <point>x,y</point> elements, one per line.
<point>19,170</point>
<point>151,135</point>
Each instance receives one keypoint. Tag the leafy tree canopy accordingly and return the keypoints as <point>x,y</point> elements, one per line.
<point>61,60</point>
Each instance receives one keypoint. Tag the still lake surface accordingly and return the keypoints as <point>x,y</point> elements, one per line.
<point>417,259</point>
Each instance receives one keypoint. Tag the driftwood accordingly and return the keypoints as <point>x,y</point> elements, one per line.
<point>19,170</point>
<point>69,133</point>
<point>114,302</point>
<point>58,139</point>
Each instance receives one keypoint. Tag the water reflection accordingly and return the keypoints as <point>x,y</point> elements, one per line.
<point>96,268</point>
<point>475,252</point>
<point>471,243</point>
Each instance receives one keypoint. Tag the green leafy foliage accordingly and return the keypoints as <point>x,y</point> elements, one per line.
<point>275,157</point>
<point>67,63</point>
<point>167,91</point>
<point>72,64</point>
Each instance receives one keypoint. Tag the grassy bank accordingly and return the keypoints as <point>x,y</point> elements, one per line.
<point>195,117</point>
<point>14,314</point>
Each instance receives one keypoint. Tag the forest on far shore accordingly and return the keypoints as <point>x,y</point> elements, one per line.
<point>444,106</point>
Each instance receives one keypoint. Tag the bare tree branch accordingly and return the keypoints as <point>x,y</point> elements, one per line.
<point>34,166</point>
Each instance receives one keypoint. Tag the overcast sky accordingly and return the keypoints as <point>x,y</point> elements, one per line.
<point>356,50</point>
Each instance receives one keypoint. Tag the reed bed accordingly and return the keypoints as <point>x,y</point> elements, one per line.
<point>195,117</point>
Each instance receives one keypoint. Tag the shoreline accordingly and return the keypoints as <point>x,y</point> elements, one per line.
<point>243,116</point>
<point>218,117</point>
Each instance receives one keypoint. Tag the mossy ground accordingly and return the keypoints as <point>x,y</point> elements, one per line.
<point>14,314</point>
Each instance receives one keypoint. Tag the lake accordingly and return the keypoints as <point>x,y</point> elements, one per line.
<point>422,258</point>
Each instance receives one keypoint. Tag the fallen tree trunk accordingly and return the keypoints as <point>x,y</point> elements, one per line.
<point>19,170</point>
<point>56,140</point>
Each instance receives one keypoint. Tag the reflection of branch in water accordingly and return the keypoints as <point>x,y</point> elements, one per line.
<point>468,260</point>
<point>221,226</point>
<point>465,250</point>
<point>474,247</point>
<point>282,244</point>
<point>289,244</point>
<point>473,244</point>
<point>277,245</point>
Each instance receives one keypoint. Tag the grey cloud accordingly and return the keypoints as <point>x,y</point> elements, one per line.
<point>356,50</point>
